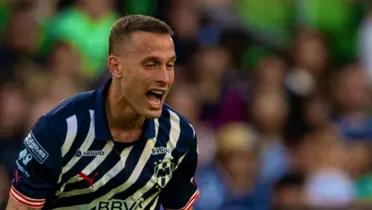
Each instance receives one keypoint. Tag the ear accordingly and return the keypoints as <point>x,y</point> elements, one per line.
<point>114,64</point>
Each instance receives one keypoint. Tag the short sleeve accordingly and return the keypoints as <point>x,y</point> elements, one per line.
<point>182,192</point>
<point>37,166</point>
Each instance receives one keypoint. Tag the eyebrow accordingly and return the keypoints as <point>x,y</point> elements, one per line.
<point>157,59</point>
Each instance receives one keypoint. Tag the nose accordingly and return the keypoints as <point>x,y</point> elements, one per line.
<point>163,76</point>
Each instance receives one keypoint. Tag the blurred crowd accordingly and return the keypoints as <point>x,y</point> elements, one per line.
<point>279,91</point>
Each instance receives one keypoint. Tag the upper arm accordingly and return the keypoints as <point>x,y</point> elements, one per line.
<point>38,166</point>
<point>181,192</point>
<point>15,205</point>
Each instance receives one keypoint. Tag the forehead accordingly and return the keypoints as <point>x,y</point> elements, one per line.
<point>152,44</point>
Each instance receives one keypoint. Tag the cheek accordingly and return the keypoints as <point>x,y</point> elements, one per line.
<point>133,77</point>
<point>129,84</point>
<point>135,83</point>
<point>171,77</point>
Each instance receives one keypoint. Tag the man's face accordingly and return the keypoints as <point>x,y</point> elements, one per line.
<point>147,69</point>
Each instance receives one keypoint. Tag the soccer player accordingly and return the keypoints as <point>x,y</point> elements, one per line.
<point>117,147</point>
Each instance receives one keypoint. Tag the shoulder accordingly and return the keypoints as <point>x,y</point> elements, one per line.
<point>73,105</point>
<point>181,124</point>
<point>76,107</point>
<point>53,130</point>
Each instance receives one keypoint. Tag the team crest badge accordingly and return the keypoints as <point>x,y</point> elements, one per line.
<point>163,172</point>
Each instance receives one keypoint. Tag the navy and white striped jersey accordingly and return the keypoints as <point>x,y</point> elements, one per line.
<point>69,161</point>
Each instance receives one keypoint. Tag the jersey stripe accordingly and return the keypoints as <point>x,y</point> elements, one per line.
<point>143,177</point>
<point>90,167</point>
<point>133,177</point>
<point>83,120</point>
<point>155,203</point>
<point>72,127</point>
<point>174,133</point>
<point>156,123</point>
<point>174,137</point>
<point>114,171</point>
<point>145,156</point>
<point>108,175</point>
<point>86,144</point>
<point>96,162</point>
<point>134,156</point>
<point>193,130</point>
<point>155,195</point>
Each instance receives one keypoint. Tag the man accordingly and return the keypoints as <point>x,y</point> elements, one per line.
<point>120,146</point>
<point>287,192</point>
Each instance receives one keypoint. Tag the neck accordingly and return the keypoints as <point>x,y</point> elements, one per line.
<point>119,114</point>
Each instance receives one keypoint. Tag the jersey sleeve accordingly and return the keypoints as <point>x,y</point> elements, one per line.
<point>182,192</point>
<point>37,166</point>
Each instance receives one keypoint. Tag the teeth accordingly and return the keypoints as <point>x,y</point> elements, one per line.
<point>157,92</point>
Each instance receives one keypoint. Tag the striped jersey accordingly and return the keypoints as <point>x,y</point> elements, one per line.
<point>70,161</point>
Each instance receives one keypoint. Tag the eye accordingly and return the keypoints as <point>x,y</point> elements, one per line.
<point>150,65</point>
<point>170,66</point>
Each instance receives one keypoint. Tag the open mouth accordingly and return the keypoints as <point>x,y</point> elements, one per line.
<point>155,97</point>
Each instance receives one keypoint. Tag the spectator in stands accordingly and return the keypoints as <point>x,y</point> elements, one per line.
<point>352,96</point>
<point>85,26</point>
<point>221,89</point>
<point>231,183</point>
<point>328,183</point>
<point>288,193</point>
<point>317,110</point>
<point>184,99</point>
<point>184,17</point>
<point>360,166</point>
<point>13,112</point>
<point>45,86</point>
<point>270,74</point>
<point>310,63</point>
<point>269,111</point>
<point>20,45</point>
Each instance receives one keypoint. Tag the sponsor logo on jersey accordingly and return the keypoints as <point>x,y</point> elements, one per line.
<point>115,204</point>
<point>87,178</point>
<point>25,157</point>
<point>89,153</point>
<point>35,149</point>
<point>160,150</point>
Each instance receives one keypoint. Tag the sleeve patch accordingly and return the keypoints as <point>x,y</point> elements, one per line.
<point>34,203</point>
<point>35,149</point>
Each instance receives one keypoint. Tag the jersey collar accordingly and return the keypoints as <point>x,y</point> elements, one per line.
<point>101,125</point>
